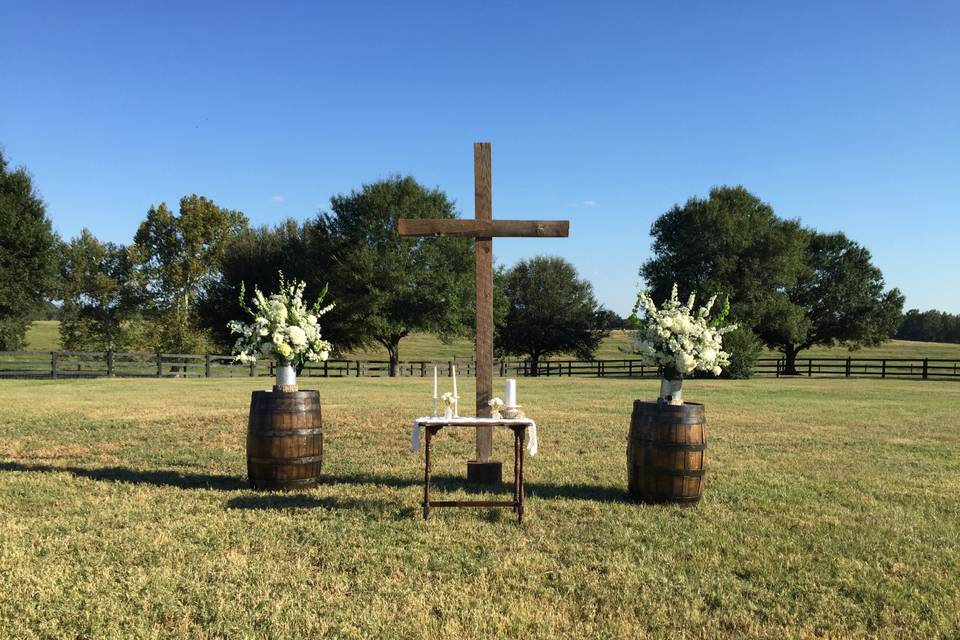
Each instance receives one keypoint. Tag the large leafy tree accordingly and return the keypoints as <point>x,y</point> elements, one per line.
<point>28,262</point>
<point>177,258</point>
<point>386,286</point>
<point>253,259</point>
<point>840,297</point>
<point>793,287</point>
<point>97,292</point>
<point>731,244</point>
<point>550,310</point>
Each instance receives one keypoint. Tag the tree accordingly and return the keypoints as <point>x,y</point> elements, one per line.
<point>551,310</point>
<point>97,294</point>
<point>28,262</point>
<point>841,294</point>
<point>730,244</point>
<point>177,257</point>
<point>386,286</point>
<point>793,287</point>
<point>929,326</point>
<point>253,259</point>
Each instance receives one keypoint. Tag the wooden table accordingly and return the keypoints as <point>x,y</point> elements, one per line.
<point>519,426</point>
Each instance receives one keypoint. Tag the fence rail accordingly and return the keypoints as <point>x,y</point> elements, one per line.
<point>93,364</point>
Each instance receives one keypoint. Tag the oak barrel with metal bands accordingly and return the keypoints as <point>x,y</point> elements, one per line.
<point>284,440</point>
<point>666,453</point>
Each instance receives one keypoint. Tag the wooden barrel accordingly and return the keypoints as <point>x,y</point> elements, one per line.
<point>284,440</point>
<point>666,453</point>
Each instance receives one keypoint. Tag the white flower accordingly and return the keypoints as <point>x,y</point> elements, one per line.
<point>717,371</point>
<point>298,337</point>
<point>312,319</point>
<point>684,362</point>
<point>708,355</point>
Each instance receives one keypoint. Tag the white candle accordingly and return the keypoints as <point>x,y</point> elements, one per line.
<point>435,383</point>
<point>455,394</point>
<point>510,393</point>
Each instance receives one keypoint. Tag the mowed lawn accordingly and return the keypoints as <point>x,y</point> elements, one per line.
<point>832,509</point>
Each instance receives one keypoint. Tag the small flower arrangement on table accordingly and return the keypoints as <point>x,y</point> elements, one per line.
<point>284,328</point>
<point>679,340</point>
<point>496,406</point>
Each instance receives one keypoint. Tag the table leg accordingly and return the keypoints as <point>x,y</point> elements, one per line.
<point>517,443</point>
<point>426,475</point>
<point>520,486</point>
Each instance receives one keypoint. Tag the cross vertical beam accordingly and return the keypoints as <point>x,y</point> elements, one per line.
<point>483,261</point>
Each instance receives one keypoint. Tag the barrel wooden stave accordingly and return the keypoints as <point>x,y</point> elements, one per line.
<point>666,452</point>
<point>284,440</point>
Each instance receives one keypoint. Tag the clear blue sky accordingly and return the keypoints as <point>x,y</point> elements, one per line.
<point>844,114</point>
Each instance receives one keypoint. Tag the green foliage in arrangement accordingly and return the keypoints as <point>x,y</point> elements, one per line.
<point>386,286</point>
<point>177,257</point>
<point>794,287</point>
<point>97,294</point>
<point>550,310</point>
<point>28,259</point>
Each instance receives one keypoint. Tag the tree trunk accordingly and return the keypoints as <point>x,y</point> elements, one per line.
<point>394,353</point>
<point>790,353</point>
<point>534,364</point>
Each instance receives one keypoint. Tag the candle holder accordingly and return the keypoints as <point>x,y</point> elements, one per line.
<point>512,413</point>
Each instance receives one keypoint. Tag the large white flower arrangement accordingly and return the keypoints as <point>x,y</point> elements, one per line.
<point>679,339</point>
<point>283,326</point>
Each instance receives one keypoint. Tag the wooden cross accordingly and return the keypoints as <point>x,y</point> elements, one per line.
<point>484,228</point>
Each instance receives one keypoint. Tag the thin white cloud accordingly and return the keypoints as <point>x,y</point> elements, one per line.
<point>589,203</point>
<point>276,199</point>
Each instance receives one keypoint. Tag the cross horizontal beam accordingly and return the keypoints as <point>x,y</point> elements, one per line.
<point>483,228</point>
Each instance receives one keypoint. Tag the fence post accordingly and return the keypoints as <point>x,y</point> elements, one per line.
<point>271,369</point>
<point>599,373</point>
<point>883,368</point>
<point>159,364</point>
<point>253,368</point>
<point>848,366</point>
<point>206,365</point>
<point>926,368</point>
<point>54,356</point>
<point>810,368</point>
<point>110,363</point>
<point>326,370</point>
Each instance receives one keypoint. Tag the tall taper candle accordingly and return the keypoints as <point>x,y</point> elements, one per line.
<point>510,393</point>
<point>456,396</point>
<point>434,391</point>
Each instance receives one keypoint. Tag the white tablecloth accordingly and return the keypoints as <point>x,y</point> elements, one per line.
<point>532,444</point>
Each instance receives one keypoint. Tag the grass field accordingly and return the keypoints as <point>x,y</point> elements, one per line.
<point>832,509</point>
<point>44,336</point>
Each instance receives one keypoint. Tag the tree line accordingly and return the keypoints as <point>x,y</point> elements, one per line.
<point>930,326</point>
<point>177,284</point>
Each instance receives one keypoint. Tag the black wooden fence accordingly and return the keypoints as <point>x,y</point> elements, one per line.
<point>83,364</point>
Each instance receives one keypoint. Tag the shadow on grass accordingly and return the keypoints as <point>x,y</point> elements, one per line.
<point>446,482</point>
<point>441,483</point>
<point>272,501</point>
<point>158,478</point>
